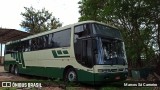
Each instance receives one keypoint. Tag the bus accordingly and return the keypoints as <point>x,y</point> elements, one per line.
<point>87,51</point>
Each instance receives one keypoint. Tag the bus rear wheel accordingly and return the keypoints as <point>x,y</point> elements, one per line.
<point>11,69</point>
<point>71,75</point>
<point>16,70</point>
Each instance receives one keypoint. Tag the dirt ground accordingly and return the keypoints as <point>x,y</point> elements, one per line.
<point>6,76</point>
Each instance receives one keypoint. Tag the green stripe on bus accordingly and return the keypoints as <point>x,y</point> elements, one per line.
<point>19,57</point>
<point>56,56</point>
<point>59,51</point>
<point>65,52</point>
<point>14,55</point>
<point>11,54</point>
<point>23,64</point>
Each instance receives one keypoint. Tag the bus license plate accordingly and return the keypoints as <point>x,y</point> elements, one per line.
<point>118,77</point>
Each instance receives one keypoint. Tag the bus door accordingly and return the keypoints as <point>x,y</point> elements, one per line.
<point>84,52</point>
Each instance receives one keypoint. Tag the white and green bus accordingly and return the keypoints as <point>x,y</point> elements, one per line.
<point>84,51</point>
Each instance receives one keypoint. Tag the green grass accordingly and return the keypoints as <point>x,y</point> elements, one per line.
<point>8,88</point>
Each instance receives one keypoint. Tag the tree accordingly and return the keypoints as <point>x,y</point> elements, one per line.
<point>91,9</point>
<point>36,21</point>
<point>155,17</point>
<point>133,19</point>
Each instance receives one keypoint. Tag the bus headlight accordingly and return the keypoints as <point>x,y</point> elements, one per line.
<point>100,70</point>
<point>126,69</point>
<point>104,70</point>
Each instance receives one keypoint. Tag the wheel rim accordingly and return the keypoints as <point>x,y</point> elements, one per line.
<point>72,76</point>
<point>15,71</point>
<point>12,70</point>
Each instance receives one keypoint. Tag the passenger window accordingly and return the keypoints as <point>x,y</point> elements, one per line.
<point>26,45</point>
<point>62,38</point>
<point>33,44</point>
<point>45,41</point>
<point>41,42</point>
<point>51,40</point>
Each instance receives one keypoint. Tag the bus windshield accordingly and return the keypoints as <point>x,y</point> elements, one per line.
<point>110,52</point>
<point>106,31</point>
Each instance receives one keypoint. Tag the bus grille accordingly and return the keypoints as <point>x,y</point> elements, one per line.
<point>113,70</point>
<point>121,69</point>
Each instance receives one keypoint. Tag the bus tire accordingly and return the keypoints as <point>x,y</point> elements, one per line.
<point>16,72</point>
<point>12,69</point>
<point>71,75</point>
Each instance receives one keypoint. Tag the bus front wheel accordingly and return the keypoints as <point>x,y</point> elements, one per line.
<point>71,75</point>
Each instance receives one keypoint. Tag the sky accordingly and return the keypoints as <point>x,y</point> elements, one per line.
<point>66,10</point>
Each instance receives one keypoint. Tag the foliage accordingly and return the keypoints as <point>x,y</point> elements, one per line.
<point>7,88</point>
<point>36,21</point>
<point>135,19</point>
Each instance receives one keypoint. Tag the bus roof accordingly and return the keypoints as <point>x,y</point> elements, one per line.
<point>60,28</point>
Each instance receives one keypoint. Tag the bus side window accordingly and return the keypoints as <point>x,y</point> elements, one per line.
<point>81,31</point>
<point>33,44</point>
<point>45,41</point>
<point>38,43</point>
<point>29,46</point>
<point>23,46</point>
<point>62,38</point>
<point>26,45</point>
<point>78,31</point>
<point>86,28</point>
<point>8,49</point>
<point>17,46</point>
<point>41,42</point>
<point>50,40</point>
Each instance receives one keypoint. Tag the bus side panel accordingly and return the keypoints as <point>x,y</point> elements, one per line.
<point>8,61</point>
<point>7,64</point>
<point>52,72</point>
<point>85,76</point>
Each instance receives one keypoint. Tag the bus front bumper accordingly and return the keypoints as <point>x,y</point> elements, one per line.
<point>110,77</point>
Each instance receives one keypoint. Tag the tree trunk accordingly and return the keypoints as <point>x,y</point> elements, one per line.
<point>139,62</point>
